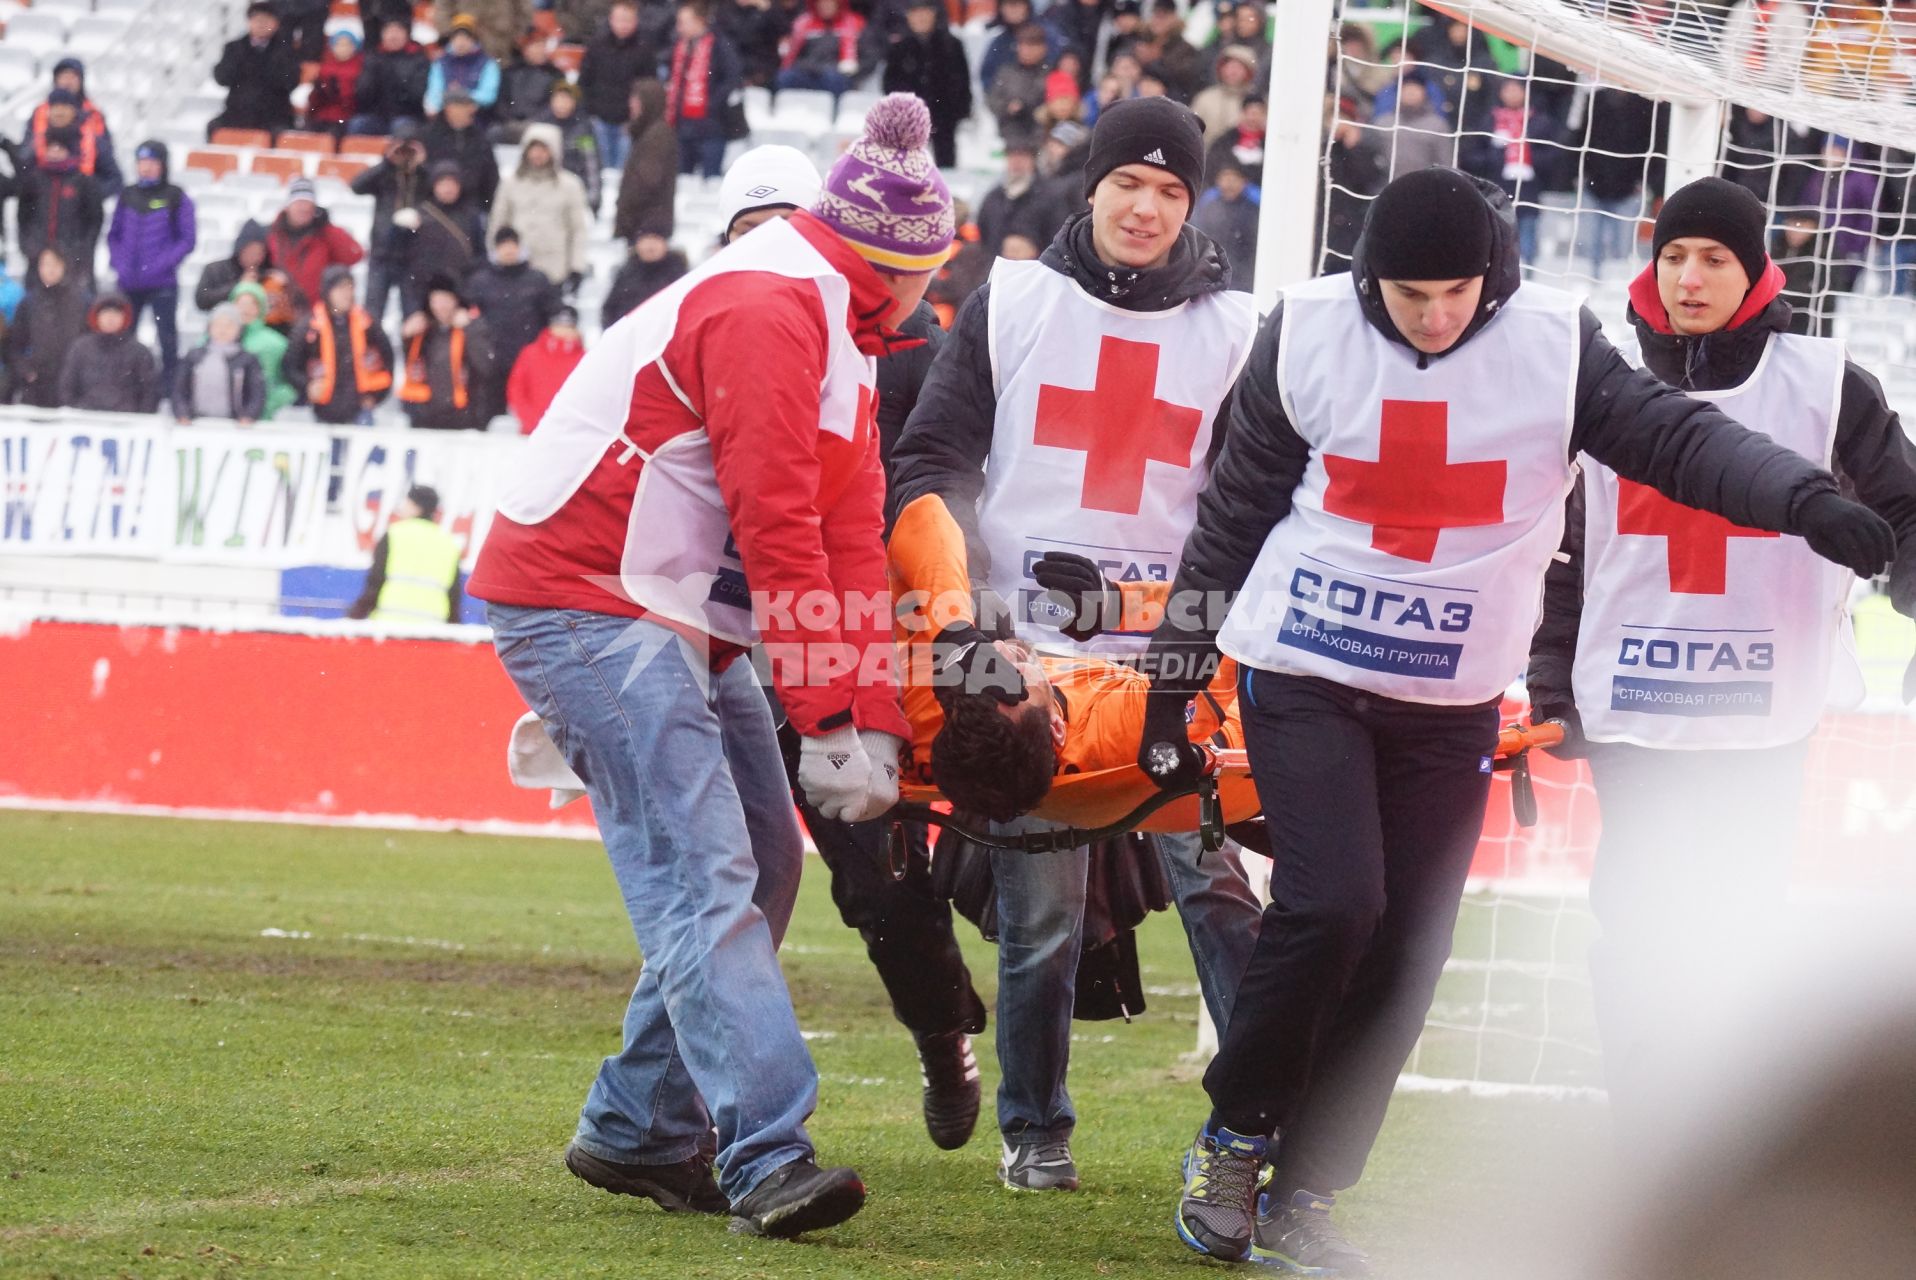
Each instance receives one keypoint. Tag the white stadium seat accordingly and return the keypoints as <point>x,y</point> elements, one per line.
<point>44,32</point>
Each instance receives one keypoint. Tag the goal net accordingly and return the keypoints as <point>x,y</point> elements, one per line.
<point>1587,112</point>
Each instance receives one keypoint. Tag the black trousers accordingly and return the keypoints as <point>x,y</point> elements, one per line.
<point>1692,871</point>
<point>905,924</point>
<point>1374,808</point>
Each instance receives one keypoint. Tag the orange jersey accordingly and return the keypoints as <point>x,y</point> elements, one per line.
<point>1102,702</point>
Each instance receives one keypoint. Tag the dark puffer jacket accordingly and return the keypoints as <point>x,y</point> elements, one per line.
<point>45,325</point>
<point>1874,459</point>
<point>1623,417</point>
<point>110,372</point>
<point>218,278</point>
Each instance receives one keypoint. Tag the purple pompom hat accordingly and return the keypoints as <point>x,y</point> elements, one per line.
<point>885,197</point>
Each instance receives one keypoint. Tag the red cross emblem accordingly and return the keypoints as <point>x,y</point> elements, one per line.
<point>1119,425</point>
<point>1411,493</point>
<point>1699,541</point>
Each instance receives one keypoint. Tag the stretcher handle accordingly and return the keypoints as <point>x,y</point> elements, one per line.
<point>1515,739</point>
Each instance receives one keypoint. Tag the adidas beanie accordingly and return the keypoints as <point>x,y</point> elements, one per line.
<point>1153,131</point>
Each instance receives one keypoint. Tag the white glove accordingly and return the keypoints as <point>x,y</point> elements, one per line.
<point>883,749</point>
<point>835,774</point>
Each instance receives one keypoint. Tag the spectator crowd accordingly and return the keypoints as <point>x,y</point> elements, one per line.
<point>487,265</point>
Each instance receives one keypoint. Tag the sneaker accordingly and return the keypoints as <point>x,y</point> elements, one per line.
<point>1299,1236</point>
<point>799,1197</point>
<point>1043,1164</point>
<point>685,1187</point>
<point>1220,1193</point>
<point>951,1088</point>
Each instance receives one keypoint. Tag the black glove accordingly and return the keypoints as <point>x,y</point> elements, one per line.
<point>1846,532</point>
<point>1077,584</point>
<point>1166,754</point>
<point>964,660</point>
<point>1574,746</point>
<point>573,281</point>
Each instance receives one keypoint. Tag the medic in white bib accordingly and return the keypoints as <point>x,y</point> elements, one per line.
<point>1389,494</point>
<point>1694,656</point>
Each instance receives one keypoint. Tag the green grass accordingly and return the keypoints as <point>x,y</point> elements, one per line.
<point>183,1096</point>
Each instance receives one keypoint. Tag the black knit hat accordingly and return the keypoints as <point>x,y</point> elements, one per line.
<point>1430,224</point>
<point>1153,131</point>
<point>1718,210</point>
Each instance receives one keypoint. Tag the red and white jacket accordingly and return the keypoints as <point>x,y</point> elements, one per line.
<point>725,433</point>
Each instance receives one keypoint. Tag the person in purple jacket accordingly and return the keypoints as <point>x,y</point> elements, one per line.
<point>151,234</point>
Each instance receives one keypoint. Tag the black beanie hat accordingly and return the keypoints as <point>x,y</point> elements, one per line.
<point>1430,224</point>
<point>1718,210</point>
<point>1153,131</point>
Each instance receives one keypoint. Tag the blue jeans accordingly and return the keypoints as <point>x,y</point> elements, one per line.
<point>832,81</point>
<point>702,146</point>
<point>1527,216</point>
<point>1609,229</point>
<point>378,126</point>
<point>613,142</point>
<point>689,790</point>
<point>166,325</point>
<point>1040,929</point>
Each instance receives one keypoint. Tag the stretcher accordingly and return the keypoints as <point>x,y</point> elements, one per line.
<point>1090,807</point>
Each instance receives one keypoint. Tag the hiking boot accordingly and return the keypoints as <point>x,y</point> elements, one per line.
<point>799,1197</point>
<point>951,1088</point>
<point>1215,1215</point>
<point>685,1187</point>
<point>1042,1164</point>
<point>1298,1236</point>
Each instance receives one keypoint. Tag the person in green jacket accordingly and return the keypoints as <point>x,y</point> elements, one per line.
<point>265,344</point>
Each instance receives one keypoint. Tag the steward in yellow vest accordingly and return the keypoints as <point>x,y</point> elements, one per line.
<point>415,571</point>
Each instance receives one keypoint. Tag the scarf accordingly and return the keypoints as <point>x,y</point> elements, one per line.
<point>1511,124</point>
<point>687,90</point>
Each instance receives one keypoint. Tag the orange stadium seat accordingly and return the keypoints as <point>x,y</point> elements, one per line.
<point>363,146</point>
<point>217,163</point>
<point>242,138</point>
<point>568,57</point>
<point>345,8</point>
<point>284,165</point>
<point>345,168</point>
<point>300,140</point>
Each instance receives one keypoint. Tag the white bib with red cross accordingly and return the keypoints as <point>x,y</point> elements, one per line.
<point>1697,633</point>
<point>1411,562</point>
<point>1102,434</point>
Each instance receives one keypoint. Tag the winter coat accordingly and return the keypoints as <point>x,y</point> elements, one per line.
<point>335,98</point>
<point>722,77</point>
<point>1872,458</point>
<point>1019,86</point>
<point>1218,107</point>
<point>478,73</point>
<point>649,185</point>
<point>392,188</point>
<point>1357,173</point>
<point>45,326</point>
<point>516,302</point>
<point>304,354</point>
<point>435,348</point>
<point>820,44</point>
<point>109,373</point>
<point>501,22</point>
<point>1035,213</point>
<point>259,83</point>
<point>1846,201</point>
<point>804,504</point>
<point>933,68</point>
<point>1422,139</point>
<point>268,346</point>
<point>468,149</point>
<point>636,282</point>
<point>1245,150</point>
<point>60,210</point>
<point>540,370</point>
<point>248,382</point>
<point>1621,416</point>
<point>217,279</point>
<point>948,438</point>
<point>1002,51</point>
<point>97,160</point>
<point>525,90</point>
<point>304,254</point>
<point>1182,67</point>
<point>1233,224</point>
<point>1802,274</point>
<point>547,205</point>
<point>449,241</point>
<point>610,68</point>
<point>152,232</point>
<point>579,152</point>
<point>756,34</point>
<point>1619,130</point>
<point>902,371</point>
<point>393,85</point>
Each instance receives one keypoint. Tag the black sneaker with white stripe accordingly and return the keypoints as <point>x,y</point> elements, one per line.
<point>950,1073</point>
<point>1041,1164</point>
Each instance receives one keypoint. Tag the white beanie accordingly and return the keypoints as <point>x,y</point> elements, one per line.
<point>767,176</point>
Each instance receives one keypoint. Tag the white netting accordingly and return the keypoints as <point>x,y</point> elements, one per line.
<point>1587,113</point>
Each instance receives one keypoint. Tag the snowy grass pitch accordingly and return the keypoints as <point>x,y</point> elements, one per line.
<point>233,1049</point>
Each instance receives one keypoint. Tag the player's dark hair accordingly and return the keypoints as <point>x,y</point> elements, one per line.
<point>991,764</point>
